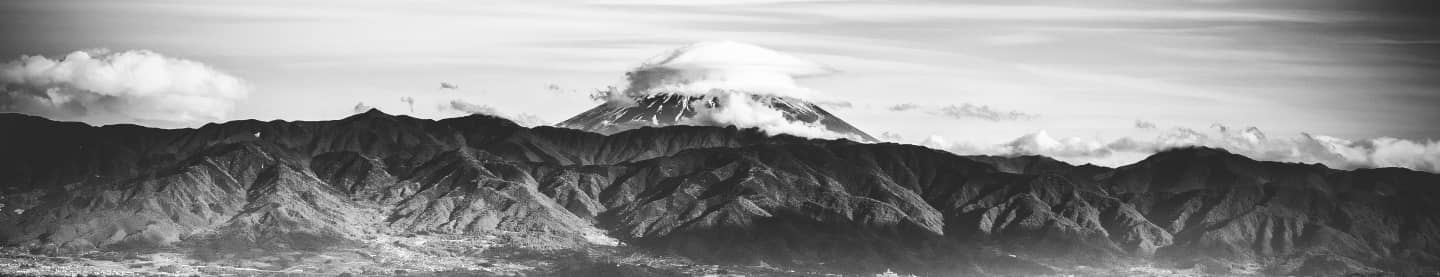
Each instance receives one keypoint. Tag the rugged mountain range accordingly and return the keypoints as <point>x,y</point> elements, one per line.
<point>661,110</point>
<point>709,194</point>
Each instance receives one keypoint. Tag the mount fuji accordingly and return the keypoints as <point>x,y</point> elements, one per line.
<point>719,84</point>
<point>671,109</point>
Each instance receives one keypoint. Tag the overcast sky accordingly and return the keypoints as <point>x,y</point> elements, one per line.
<point>980,72</point>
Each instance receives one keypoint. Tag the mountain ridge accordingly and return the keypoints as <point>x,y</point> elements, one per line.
<point>716,194</point>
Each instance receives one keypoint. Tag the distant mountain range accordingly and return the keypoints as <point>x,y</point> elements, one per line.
<point>706,194</point>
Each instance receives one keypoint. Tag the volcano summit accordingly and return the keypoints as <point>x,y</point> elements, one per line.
<point>719,84</point>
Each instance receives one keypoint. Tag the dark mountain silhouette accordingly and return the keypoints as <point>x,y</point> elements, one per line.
<point>710,194</point>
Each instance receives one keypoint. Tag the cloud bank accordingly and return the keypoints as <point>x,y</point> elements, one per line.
<point>744,111</point>
<point>103,87</point>
<point>1251,142</point>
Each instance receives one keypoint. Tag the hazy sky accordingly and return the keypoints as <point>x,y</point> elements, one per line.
<point>1091,70</point>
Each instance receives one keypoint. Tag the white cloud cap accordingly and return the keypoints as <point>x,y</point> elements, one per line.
<point>709,67</point>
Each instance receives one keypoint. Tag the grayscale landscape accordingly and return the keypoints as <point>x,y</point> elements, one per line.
<point>719,138</point>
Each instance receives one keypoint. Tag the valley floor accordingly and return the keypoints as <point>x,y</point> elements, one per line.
<point>418,255</point>
<point>413,255</point>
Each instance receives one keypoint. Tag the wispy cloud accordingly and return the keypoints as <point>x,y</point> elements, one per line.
<point>903,107</point>
<point>967,111</point>
<point>983,112</point>
<point>1141,124</point>
<point>361,107</point>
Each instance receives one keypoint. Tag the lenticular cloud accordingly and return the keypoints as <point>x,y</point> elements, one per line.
<point>103,87</point>
<point>707,68</point>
